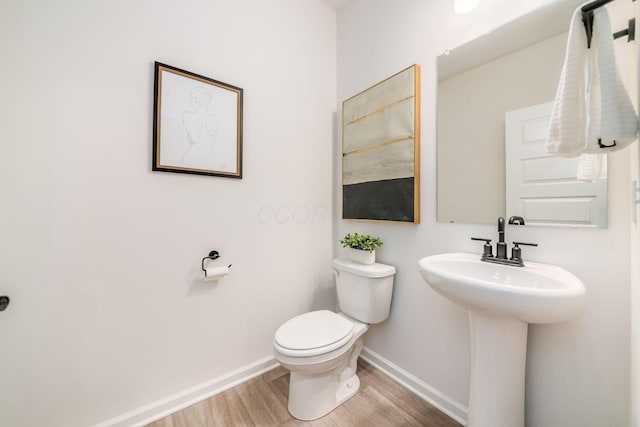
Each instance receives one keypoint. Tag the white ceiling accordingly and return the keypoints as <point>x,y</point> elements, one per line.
<point>336,4</point>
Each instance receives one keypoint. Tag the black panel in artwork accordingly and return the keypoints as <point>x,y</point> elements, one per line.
<point>390,200</point>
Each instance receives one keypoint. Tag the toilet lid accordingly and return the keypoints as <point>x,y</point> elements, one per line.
<point>314,333</point>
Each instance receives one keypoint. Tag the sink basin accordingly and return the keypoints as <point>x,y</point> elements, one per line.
<point>501,301</point>
<point>535,293</point>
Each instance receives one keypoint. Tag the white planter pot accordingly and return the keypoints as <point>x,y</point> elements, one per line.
<point>360,256</point>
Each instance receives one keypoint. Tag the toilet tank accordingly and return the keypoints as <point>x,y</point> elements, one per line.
<point>364,291</point>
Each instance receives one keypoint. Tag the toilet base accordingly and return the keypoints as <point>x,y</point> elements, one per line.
<point>314,396</point>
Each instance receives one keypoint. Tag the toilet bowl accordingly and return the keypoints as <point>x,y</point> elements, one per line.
<point>323,370</point>
<point>321,348</point>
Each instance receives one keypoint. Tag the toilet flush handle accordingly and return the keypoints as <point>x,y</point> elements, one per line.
<point>335,272</point>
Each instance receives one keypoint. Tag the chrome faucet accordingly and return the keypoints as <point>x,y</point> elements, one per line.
<point>501,246</point>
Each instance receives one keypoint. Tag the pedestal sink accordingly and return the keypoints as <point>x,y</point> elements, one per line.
<point>501,300</point>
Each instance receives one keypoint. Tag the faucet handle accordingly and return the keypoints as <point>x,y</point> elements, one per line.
<point>526,244</point>
<point>517,220</point>
<point>516,252</point>
<point>487,248</point>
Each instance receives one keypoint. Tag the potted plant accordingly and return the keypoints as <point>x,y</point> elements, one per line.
<point>361,248</point>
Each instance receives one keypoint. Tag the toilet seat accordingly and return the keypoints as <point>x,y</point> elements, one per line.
<point>313,333</point>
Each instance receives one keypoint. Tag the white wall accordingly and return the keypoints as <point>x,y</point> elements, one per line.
<point>635,295</point>
<point>101,256</point>
<point>634,158</point>
<point>578,371</point>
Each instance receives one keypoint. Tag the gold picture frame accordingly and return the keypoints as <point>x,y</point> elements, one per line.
<point>381,150</point>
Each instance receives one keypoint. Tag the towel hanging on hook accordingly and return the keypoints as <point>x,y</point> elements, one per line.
<point>592,112</point>
<point>587,20</point>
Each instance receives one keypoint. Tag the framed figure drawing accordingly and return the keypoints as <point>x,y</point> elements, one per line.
<point>381,150</point>
<point>197,124</point>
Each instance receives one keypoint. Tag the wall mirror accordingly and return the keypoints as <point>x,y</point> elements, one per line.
<point>494,100</point>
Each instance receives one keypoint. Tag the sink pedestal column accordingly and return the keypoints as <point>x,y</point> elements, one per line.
<point>498,360</point>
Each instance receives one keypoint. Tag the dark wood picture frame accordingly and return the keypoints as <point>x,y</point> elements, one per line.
<point>197,124</point>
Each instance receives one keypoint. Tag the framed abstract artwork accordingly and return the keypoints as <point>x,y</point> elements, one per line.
<point>197,124</point>
<point>381,150</point>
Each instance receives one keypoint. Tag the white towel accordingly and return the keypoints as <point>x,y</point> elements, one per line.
<point>566,128</point>
<point>615,115</point>
<point>591,103</point>
<point>592,167</point>
<point>592,98</point>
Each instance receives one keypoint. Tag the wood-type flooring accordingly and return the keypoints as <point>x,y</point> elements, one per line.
<point>262,401</point>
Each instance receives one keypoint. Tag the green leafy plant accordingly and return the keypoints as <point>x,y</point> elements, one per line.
<point>363,242</point>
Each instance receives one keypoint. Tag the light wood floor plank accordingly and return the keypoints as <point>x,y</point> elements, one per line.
<point>370,408</point>
<point>264,407</point>
<point>227,409</point>
<point>262,402</point>
<point>198,415</point>
<point>279,386</point>
<point>162,422</point>
<point>406,400</point>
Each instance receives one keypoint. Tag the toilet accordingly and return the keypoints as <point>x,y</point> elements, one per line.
<point>321,348</point>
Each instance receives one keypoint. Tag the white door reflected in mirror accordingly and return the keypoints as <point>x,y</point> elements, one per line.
<point>545,189</point>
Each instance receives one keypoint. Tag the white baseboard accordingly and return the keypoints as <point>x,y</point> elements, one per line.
<point>441,401</point>
<point>161,408</point>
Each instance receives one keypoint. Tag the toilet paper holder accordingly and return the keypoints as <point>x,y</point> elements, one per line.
<point>212,255</point>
